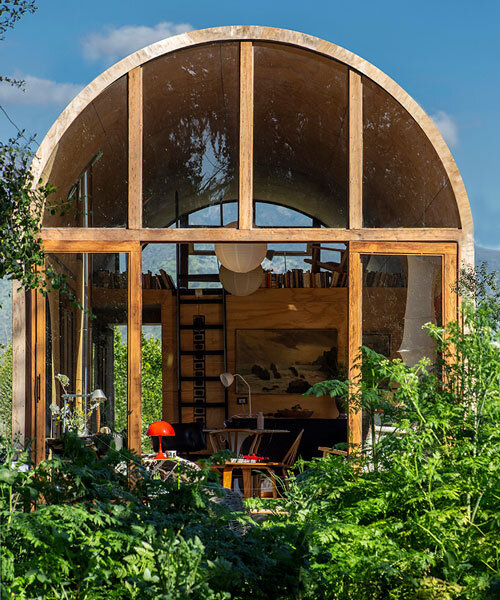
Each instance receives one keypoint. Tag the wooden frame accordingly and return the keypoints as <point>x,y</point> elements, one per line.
<point>448,253</point>
<point>134,326</point>
<point>445,242</point>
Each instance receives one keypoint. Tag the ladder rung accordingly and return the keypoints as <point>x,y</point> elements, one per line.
<point>206,326</point>
<point>205,405</point>
<point>208,277</point>
<point>203,378</point>
<point>201,301</point>
<point>202,352</point>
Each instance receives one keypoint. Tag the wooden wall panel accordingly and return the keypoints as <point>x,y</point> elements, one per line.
<point>287,309</point>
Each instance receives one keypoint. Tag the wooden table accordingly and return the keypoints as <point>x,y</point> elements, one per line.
<point>246,468</point>
<point>236,436</point>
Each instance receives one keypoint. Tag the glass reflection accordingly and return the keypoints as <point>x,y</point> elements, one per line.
<point>86,345</point>
<point>89,165</point>
<point>400,295</point>
<point>191,124</point>
<point>404,181</point>
<point>300,135</point>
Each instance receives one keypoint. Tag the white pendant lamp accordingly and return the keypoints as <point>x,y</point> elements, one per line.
<point>241,284</point>
<point>416,341</point>
<point>241,257</point>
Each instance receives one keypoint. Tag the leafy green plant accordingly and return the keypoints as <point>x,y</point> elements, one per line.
<point>416,516</point>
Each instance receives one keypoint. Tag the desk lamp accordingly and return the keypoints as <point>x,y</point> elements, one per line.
<point>227,379</point>
<point>160,429</point>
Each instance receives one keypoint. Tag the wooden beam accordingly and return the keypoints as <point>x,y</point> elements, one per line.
<point>450,294</point>
<point>19,392</point>
<point>89,245</point>
<point>39,386</point>
<point>355,290</point>
<point>429,248</point>
<point>355,151</point>
<point>135,130</point>
<point>245,210</point>
<point>104,236</point>
<point>134,350</point>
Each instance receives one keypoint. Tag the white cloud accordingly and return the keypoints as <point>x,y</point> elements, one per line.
<point>39,92</point>
<point>116,43</point>
<point>447,126</point>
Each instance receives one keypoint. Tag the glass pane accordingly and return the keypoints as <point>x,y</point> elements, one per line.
<point>300,136</point>
<point>87,343</point>
<point>401,294</point>
<point>152,380</point>
<point>404,181</point>
<point>89,165</point>
<point>191,125</point>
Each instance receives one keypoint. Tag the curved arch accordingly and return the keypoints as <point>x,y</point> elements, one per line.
<point>236,33</point>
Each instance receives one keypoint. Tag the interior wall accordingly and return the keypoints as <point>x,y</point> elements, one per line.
<point>306,308</point>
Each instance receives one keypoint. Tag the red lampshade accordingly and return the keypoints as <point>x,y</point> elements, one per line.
<point>160,428</point>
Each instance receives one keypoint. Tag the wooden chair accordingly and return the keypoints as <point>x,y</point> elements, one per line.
<point>326,451</point>
<point>231,439</point>
<point>284,466</point>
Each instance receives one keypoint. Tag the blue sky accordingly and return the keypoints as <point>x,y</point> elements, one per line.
<point>445,54</point>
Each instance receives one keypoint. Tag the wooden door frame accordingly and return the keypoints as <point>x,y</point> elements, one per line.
<point>134,324</point>
<point>449,253</point>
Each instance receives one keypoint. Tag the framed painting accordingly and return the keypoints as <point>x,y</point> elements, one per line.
<point>285,361</point>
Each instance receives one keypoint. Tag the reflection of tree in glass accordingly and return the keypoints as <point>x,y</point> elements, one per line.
<point>191,150</point>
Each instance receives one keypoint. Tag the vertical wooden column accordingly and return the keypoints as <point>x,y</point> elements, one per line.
<point>19,392</point>
<point>134,349</point>
<point>245,210</point>
<point>135,130</point>
<point>31,366</point>
<point>355,151</point>
<point>450,295</point>
<point>354,418</point>
<point>39,381</point>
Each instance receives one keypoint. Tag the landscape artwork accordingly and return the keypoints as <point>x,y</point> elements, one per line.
<point>285,361</point>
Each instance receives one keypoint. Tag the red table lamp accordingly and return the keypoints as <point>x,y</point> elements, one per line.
<point>159,429</point>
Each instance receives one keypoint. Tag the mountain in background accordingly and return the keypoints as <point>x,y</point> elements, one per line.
<point>164,257</point>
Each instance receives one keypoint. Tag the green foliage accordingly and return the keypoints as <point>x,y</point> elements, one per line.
<point>120,357</point>
<point>151,384</point>
<point>6,391</point>
<point>78,527</point>
<point>415,515</point>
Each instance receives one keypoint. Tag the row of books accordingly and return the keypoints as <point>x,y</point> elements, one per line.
<point>161,281</point>
<point>379,279</point>
<point>297,278</point>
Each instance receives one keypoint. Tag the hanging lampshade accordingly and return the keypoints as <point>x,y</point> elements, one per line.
<point>241,257</point>
<point>241,284</point>
<point>416,342</point>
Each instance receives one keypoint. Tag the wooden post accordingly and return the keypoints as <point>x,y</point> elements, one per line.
<point>134,349</point>
<point>245,210</point>
<point>135,148</point>
<point>19,392</point>
<point>354,418</point>
<point>450,295</point>
<point>39,384</point>
<point>355,151</point>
